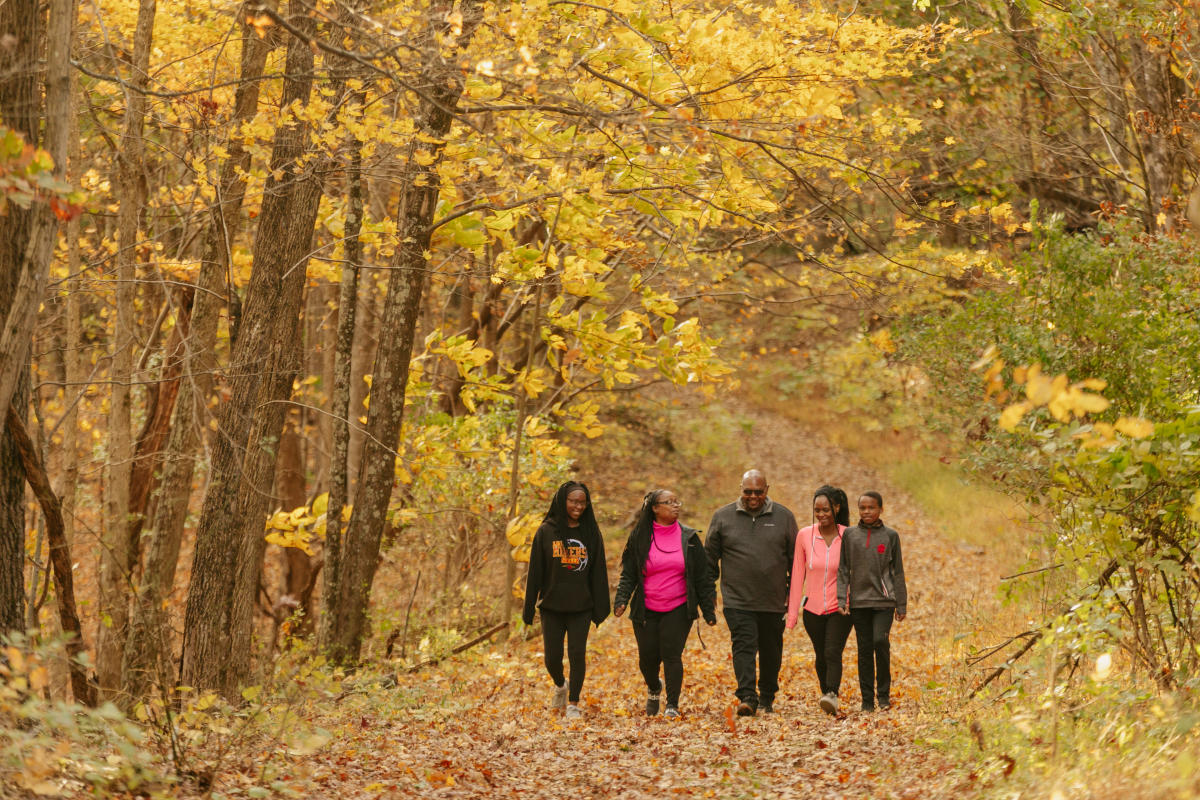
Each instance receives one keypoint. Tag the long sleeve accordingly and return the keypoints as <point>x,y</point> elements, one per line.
<point>706,588</point>
<point>843,575</point>
<point>533,581</point>
<point>712,547</point>
<point>599,583</point>
<point>898,579</point>
<point>796,590</point>
<point>629,574</point>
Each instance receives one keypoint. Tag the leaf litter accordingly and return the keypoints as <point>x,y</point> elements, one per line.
<point>480,725</point>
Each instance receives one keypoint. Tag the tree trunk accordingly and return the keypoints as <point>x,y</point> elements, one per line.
<point>230,531</point>
<point>341,393</point>
<point>290,489</point>
<point>131,189</point>
<point>148,654</point>
<point>60,557</point>
<point>26,243</point>
<point>402,306</point>
<point>151,442</point>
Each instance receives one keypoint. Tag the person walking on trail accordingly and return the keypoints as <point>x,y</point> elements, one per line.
<point>665,584</point>
<point>568,585</point>
<point>814,588</point>
<point>871,590</point>
<point>750,545</point>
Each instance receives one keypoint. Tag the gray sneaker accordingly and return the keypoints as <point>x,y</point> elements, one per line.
<point>652,705</point>
<point>574,712</point>
<point>671,713</point>
<point>829,703</point>
<point>559,697</point>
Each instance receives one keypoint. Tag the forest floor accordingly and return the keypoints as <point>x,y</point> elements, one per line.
<point>479,725</point>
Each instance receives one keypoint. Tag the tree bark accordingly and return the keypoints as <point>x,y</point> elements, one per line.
<point>60,557</point>
<point>26,244</point>
<point>148,653</point>
<point>291,491</point>
<point>341,391</point>
<point>131,189</point>
<point>402,306</point>
<point>229,536</point>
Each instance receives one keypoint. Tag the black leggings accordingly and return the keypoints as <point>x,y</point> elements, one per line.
<point>660,640</point>
<point>574,626</point>
<point>828,633</point>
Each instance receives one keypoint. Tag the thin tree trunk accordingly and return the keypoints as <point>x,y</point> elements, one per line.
<point>229,536</point>
<point>151,442</point>
<point>291,491</point>
<point>389,381</point>
<point>340,411</point>
<point>131,190</point>
<point>148,654</point>
<point>60,557</point>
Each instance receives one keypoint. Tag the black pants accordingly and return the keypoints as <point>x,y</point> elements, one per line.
<point>871,628</point>
<point>574,626</point>
<point>756,634</point>
<point>660,640</point>
<point>828,633</point>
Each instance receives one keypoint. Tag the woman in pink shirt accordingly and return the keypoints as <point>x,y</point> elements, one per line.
<point>814,587</point>
<point>664,582</point>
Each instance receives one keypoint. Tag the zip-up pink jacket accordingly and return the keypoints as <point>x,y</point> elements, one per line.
<point>814,574</point>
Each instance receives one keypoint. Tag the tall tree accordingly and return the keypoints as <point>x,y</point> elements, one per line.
<point>115,572</point>
<point>226,566</point>
<point>147,656</point>
<point>418,204</point>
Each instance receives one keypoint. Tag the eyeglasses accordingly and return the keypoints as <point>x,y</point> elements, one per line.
<point>675,503</point>
<point>754,492</point>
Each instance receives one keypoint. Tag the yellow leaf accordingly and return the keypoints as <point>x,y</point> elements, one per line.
<point>1135,427</point>
<point>1012,415</point>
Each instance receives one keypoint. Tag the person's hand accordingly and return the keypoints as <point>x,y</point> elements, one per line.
<point>900,615</point>
<point>618,610</point>
<point>845,612</point>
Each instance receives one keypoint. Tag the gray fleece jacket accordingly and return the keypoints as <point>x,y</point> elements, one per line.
<point>752,555</point>
<point>871,570</point>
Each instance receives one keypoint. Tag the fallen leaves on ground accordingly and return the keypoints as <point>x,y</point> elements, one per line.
<point>481,726</point>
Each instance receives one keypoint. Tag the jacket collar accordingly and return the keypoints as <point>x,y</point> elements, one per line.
<point>768,505</point>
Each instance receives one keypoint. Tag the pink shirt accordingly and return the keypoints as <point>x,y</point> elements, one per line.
<point>663,577</point>
<point>814,574</point>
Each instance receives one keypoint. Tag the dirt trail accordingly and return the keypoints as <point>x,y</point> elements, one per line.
<point>481,727</point>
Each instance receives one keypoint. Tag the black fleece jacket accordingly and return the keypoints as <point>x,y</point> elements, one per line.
<point>701,592</point>
<point>567,572</point>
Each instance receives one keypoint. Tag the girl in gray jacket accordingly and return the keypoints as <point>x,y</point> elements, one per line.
<point>870,587</point>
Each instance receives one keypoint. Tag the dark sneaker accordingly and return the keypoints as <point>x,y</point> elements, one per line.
<point>652,705</point>
<point>885,705</point>
<point>767,708</point>
<point>744,709</point>
<point>868,706</point>
<point>671,713</point>
<point>829,703</point>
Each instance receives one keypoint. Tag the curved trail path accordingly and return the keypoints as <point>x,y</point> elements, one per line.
<point>481,727</point>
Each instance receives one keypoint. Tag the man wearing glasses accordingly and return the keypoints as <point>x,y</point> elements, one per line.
<point>750,544</point>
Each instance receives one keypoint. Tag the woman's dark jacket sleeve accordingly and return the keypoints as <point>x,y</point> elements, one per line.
<point>700,576</point>
<point>599,583</point>
<point>537,574</point>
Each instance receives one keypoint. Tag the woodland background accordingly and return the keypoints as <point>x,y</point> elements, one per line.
<point>309,306</point>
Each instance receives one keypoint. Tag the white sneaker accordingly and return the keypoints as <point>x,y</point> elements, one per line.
<point>559,698</point>
<point>574,712</point>
<point>671,713</point>
<point>829,703</point>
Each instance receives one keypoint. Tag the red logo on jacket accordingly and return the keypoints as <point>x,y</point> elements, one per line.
<point>882,547</point>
